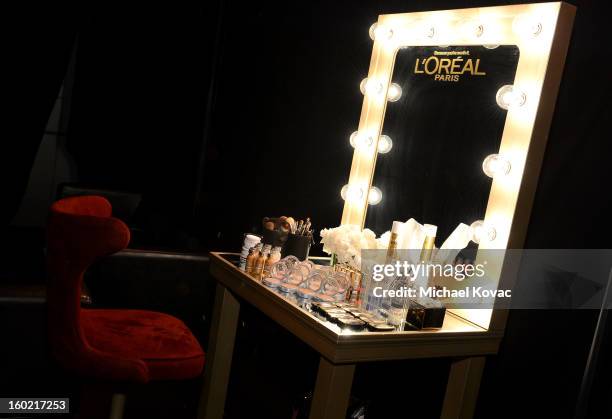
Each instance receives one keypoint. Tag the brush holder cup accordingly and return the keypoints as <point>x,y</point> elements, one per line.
<point>298,246</point>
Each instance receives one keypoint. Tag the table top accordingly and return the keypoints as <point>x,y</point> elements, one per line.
<point>457,337</point>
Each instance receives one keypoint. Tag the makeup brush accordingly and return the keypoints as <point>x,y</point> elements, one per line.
<point>291,223</point>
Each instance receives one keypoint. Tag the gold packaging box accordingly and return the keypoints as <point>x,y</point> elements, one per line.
<point>421,317</point>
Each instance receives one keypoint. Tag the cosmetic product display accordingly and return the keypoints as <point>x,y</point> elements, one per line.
<point>351,317</point>
<point>333,292</point>
<point>314,283</point>
<point>320,290</point>
<point>250,241</point>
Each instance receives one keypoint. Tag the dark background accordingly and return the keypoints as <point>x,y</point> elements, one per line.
<point>220,114</point>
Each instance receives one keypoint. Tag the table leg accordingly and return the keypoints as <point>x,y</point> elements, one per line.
<point>219,354</point>
<point>462,388</point>
<point>332,390</point>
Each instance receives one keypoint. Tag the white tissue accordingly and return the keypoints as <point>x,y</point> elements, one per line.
<point>383,241</point>
<point>398,228</point>
<point>457,241</point>
<point>412,239</point>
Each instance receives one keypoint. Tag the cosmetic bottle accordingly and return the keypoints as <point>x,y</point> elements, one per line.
<point>275,255</point>
<point>261,261</point>
<point>399,307</point>
<point>252,259</point>
<point>250,241</point>
<point>391,306</point>
<point>422,279</point>
<point>396,230</point>
<point>428,244</point>
<point>425,312</point>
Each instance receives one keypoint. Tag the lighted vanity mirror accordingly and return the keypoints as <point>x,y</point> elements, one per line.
<point>455,117</point>
<point>440,131</point>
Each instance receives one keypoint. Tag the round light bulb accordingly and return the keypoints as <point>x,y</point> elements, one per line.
<point>495,165</point>
<point>360,140</point>
<point>351,192</point>
<point>422,30</point>
<point>394,92</point>
<point>480,231</point>
<point>372,31</point>
<point>363,85</point>
<point>375,196</point>
<point>384,144</point>
<point>380,32</point>
<point>370,86</point>
<point>429,32</point>
<point>527,26</point>
<point>471,29</point>
<point>509,96</point>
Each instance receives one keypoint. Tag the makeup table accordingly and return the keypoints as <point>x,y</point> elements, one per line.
<point>339,350</point>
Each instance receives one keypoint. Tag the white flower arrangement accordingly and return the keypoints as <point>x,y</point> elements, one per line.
<point>346,242</point>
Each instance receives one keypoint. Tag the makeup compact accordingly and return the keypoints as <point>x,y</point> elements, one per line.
<point>287,288</point>
<point>351,323</point>
<point>340,319</point>
<point>334,312</point>
<point>321,306</point>
<point>271,282</point>
<point>384,327</point>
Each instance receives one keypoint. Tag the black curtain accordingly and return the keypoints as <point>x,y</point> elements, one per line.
<point>36,51</point>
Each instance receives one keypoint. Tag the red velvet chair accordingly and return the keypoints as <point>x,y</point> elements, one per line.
<point>126,346</point>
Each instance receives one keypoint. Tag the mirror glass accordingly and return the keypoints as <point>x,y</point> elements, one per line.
<point>445,123</point>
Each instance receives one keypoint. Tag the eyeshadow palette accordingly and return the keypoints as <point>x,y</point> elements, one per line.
<point>348,316</point>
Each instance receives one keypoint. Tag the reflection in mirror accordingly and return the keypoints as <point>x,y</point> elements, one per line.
<point>446,122</point>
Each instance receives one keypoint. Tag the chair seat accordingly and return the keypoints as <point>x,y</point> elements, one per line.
<point>162,342</point>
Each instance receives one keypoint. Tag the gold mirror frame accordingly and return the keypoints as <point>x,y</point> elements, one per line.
<point>542,33</point>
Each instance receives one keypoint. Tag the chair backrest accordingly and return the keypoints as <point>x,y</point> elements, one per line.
<point>80,230</point>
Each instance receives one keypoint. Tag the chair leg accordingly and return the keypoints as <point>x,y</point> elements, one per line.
<point>117,405</point>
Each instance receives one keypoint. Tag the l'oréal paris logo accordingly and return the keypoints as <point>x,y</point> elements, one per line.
<point>448,65</point>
